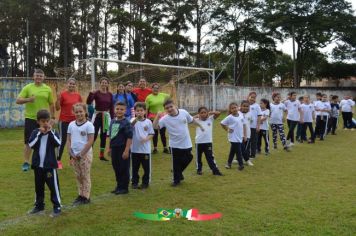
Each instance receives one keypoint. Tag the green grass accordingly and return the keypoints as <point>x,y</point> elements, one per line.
<point>309,191</point>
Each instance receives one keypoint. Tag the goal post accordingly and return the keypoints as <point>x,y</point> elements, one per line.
<point>119,70</point>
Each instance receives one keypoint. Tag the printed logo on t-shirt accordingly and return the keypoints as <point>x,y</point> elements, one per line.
<point>252,108</point>
<point>83,133</point>
<point>295,105</point>
<point>280,108</point>
<point>114,130</point>
<point>145,128</point>
<point>209,124</point>
<point>184,121</point>
<point>310,107</point>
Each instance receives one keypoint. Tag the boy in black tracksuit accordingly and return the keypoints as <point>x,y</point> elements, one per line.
<point>43,141</point>
<point>120,134</point>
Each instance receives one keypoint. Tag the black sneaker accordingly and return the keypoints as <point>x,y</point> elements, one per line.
<point>134,186</point>
<point>36,210</point>
<point>175,184</point>
<point>85,200</point>
<point>217,173</point>
<point>115,190</point>
<point>121,192</point>
<point>56,212</point>
<point>144,186</point>
<point>78,200</point>
<point>199,172</point>
<point>103,159</point>
<point>166,150</point>
<point>286,148</point>
<point>240,168</point>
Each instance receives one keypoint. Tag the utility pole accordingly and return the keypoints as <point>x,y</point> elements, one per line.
<point>248,69</point>
<point>295,79</point>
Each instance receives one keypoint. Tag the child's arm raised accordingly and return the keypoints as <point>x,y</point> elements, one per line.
<point>216,114</point>
<point>155,121</point>
<point>195,122</point>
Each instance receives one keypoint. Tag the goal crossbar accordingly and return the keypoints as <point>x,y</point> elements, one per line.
<point>210,71</point>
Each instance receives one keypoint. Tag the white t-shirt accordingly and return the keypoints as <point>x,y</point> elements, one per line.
<point>247,122</point>
<point>293,110</point>
<point>317,113</point>
<point>264,124</point>
<point>322,106</point>
<point>236,123</point>
<point>308,110</point>
<point>141,130</point>
<point>205,136</point>
<point>177,127</point>
<point>43,149</point>
<point>346,105</point>
<point>255,111</point>
<point>79,135</point>
<point>277,112</point>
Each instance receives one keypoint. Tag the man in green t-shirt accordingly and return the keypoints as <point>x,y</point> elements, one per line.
<point>35,96</point>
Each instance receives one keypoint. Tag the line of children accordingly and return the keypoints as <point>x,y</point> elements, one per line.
<point>130,140</point>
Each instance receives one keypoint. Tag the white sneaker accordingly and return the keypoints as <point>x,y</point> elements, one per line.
<point>249,163</point>
<point>234,161</point>
<point>290,144</point>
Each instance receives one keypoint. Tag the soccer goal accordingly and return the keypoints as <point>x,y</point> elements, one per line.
<point>190,87</point>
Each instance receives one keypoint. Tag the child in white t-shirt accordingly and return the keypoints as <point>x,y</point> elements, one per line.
<point>234,125</point>
<point>309,115</point>
<point>204,140</point>
<point>141,146</point>
<point>264,127</point>
<point>323,108</point>
<point>294,116</point>
<point>255,111</point>
<point>176,121</point>
<point>245,111</point>
<point>80,141</point>
<point>277,120</point>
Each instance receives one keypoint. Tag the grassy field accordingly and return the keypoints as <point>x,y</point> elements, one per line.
<point>309,191</point>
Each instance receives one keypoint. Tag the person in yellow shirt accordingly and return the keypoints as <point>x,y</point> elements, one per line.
<point>154,104</point>
<point>36,96</point>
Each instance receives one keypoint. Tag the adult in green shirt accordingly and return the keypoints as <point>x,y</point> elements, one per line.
<point>154,103</point>
<point>35,96</point>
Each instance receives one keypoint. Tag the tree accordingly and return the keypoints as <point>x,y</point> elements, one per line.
<point>316,23</point>
<point>238,23</point>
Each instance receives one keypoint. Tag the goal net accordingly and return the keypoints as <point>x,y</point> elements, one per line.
<point>189,87</point>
